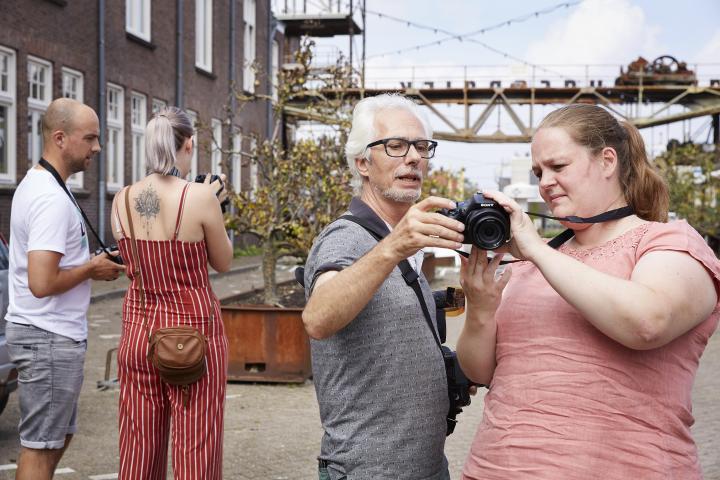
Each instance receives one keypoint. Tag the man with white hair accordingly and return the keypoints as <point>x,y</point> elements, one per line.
<point>378,372</point>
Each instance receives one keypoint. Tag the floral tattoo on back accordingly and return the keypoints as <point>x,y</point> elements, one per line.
<point>147,204</point>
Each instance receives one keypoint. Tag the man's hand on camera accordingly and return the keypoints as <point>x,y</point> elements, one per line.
<point>423,227</point>
<point>102,268</point>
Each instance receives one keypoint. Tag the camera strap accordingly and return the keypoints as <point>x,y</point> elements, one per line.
<point>47,166</point>
<point>408,273</point>
<point>567,234</point>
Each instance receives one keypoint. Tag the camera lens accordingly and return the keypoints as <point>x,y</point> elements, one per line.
<point>488,229</point>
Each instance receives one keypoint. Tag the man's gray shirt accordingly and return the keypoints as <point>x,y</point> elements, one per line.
<point>380,381</point>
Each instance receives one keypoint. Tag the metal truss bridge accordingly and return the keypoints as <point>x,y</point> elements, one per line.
<point>698,101</point>
<point>524,100</point>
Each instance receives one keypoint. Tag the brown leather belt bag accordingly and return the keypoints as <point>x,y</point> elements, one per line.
<point>178,353</point>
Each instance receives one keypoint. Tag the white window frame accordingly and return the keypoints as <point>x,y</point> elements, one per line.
<point>45,97</point>
<point>115,152</point>
<point>78,93</point>
<point>8,100</point>
<point>158,105</point>
<point>236,160</point>
<point>137,18</point>
<point>37,105</point>
<point>138,119</point>
<point>194,159</point>
<point>203,34</point>
<point>216,151</point>
<point>250,45</point>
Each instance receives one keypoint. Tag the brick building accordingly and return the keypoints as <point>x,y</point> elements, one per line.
<point>125,59</point>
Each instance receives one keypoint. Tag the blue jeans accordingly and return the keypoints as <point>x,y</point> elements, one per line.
<point>50,375</point>
<point>323,474</point>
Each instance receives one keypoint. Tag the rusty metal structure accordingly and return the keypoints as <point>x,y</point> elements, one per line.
<point>519,103</point>
<point>647,94</point>
<point>664,70</point>
<point>266,344</point>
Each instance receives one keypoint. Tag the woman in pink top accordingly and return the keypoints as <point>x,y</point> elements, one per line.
<point>591,350</point>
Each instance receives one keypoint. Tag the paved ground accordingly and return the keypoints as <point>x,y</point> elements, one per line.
<point>273,431</point>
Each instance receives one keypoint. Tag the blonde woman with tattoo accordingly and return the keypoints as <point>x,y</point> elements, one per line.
<point>179,229</point>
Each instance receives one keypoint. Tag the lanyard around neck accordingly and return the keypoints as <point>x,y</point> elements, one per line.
<point>566,235</point>
<point>48,166</point>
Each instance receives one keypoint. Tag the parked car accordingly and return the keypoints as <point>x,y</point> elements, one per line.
<point>8,372</point>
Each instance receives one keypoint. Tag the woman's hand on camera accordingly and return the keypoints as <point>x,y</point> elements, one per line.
<point>482,285</point>
<point>525,240</point>
<point>218,186</point>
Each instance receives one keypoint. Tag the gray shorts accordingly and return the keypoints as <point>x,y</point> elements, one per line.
<point>50,375</point>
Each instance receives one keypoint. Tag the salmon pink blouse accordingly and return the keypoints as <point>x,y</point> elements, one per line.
<point>568,402</point>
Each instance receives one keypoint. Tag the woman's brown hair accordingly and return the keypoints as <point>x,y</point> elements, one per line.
<point>595,128</point>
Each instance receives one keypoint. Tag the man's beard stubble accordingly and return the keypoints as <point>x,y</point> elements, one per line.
<point>400,195</point>
<point>77,165</point>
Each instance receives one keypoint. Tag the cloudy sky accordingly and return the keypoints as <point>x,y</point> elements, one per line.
<point>602,34</point>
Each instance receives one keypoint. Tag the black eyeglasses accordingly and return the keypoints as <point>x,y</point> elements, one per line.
<point>399,147</point>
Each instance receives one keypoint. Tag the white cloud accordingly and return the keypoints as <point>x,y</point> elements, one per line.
<point>597,31</point>
<point>710,53</point>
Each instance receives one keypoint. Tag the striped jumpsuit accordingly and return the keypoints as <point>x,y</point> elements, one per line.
<point>177,292</point>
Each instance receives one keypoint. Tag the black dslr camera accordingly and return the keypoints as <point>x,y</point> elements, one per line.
<point>201,179</point>
<point>458,384</point>
<point>487,224</point>
<point>111,249</point>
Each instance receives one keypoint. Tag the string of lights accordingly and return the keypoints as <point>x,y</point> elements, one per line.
<point>450,36</point>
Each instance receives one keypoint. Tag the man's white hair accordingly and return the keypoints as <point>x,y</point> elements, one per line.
<point>363,125</point>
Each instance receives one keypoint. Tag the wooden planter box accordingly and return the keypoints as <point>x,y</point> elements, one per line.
<point>266,344</point>
<point>428,266</point>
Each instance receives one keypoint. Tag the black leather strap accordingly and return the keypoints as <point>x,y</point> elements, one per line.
<point>408,273</point>
<point>47,166</point>
<point>567,234</point>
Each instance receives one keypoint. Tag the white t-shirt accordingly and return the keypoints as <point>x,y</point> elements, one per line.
<point>44,218</point>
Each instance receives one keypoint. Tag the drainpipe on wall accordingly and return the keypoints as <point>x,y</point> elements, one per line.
<point>232,62</point>
<point>268,68</point>
<point>179,94</point>
<point>232,79</point>
<point>102,117</point>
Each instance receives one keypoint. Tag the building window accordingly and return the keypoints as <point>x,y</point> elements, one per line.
<point>216,155</point>
<point>249,42</point>
<point>236,160</point>
<point>158,105</point>
<point>203,34</point>
<point>138,115</point>
<point>8,122</point>
<point>72,84</point>
<point>114,145</point>
<point>137,18</point>
<point>39,97</point>
<point>194,159</point>
<point>39,82</point>
<point>73,87</point>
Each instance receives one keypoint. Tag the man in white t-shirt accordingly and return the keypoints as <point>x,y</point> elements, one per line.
<point>49,277</point>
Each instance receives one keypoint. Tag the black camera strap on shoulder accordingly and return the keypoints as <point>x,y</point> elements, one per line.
<point>411,278</point>
<point>408,273</point>
<point>48,166</point>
